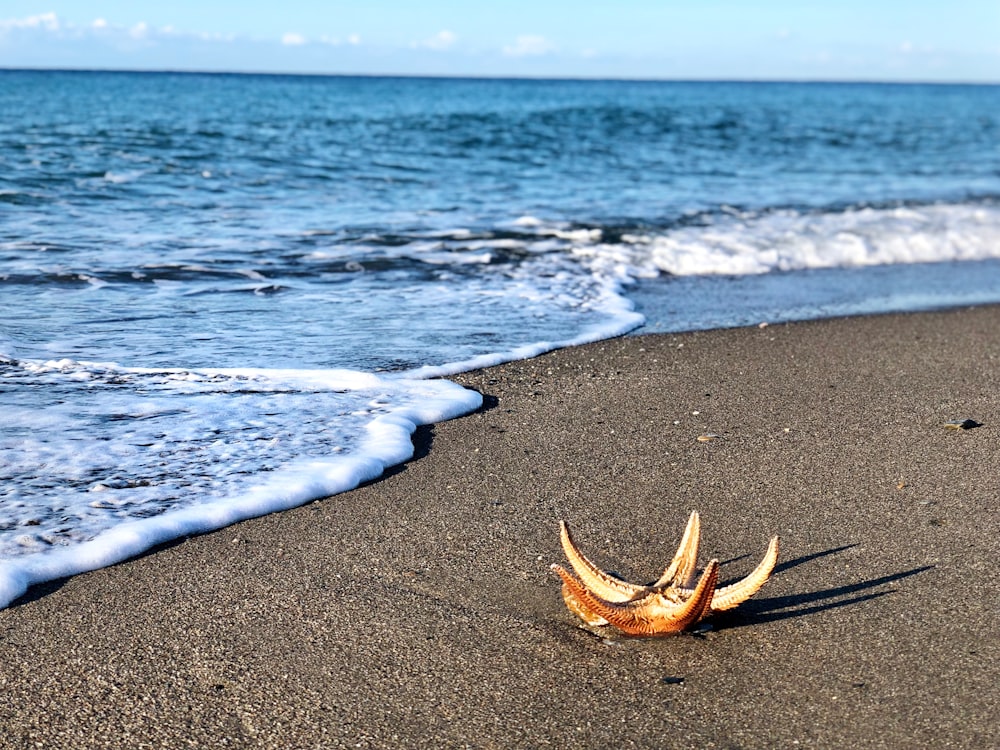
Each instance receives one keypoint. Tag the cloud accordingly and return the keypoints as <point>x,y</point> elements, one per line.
<point>440,41</point>
<point>908,48</point>
<point>208,36</point>
<point>106,34</point>
<point>103,30</point>
<point>44,21</point>
<point>335,41</point>
<point>528,45</point>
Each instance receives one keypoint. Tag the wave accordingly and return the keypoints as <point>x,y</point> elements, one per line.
<point>738,243</point>
<point>184,452</point>
<point>206,446</point>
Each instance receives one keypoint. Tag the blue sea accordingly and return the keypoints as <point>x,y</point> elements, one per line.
<point>224,295</point>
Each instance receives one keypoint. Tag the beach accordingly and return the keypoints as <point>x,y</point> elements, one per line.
<point>419,610</point>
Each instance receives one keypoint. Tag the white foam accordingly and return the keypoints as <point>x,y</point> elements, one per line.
<point>119,178</point>
<point>219,417</point>
<point>791,240</point>
<point>527,221</point>
<point>619,318</point>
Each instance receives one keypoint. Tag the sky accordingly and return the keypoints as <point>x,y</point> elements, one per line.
<point>870,40</point>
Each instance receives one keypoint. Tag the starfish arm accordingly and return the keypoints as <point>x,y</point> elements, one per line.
<point>604,585</point>
<point>737,593</point>
<point>580,609</point>
<point>652,614</point>
<point>699,606</point>
<point>682,568</point>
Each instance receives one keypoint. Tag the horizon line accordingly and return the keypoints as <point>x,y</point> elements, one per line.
<point>496,77</point>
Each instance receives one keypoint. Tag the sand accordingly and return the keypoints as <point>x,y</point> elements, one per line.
<point>420,611</point>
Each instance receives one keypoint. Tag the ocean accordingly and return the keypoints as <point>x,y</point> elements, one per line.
<point>225,295</point>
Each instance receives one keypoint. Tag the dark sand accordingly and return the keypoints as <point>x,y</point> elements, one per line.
<point>420,611</point>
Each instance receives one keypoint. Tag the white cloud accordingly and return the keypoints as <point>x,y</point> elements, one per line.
<point>354,39</point>
<point>909,48</point>
<point>110,34</point>
<point>210,36</point>
<point>528,45</point>
<point>102,29</point>
<point>440,41</point>
<point>45,21</point>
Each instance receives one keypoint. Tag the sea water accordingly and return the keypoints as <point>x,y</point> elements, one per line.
<point>224,295</point>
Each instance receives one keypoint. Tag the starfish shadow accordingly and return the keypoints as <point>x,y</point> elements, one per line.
<point>775,608</point>
<point>787,565</point>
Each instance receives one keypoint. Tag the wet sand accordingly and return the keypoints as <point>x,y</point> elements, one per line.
<point>419,610</point>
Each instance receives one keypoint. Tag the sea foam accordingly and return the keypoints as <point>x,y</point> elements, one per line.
<point>82,510</point>
<point>741,243</point>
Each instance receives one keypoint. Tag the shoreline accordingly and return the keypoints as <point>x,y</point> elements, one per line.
<point>419,610</point>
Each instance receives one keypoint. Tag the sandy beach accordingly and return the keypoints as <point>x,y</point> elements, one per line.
<point>420,611</point>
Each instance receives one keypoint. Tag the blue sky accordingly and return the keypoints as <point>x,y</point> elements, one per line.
<point>731,39</point>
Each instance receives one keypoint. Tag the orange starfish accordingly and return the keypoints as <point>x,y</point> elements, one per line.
<point>669,605</point>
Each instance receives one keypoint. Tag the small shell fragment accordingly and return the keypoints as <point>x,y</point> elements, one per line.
<point>708,437</point>
<point>962,424</point>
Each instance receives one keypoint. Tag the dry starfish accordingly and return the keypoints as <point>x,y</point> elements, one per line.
<point>668,605</point>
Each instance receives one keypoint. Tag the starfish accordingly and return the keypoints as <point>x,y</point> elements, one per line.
<point>671,604</point>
